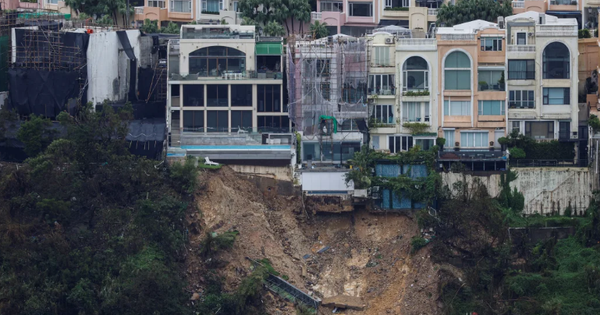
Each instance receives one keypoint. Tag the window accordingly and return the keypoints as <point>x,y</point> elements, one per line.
<point>212,6</point>
<point>415,112</point>
<point>564,129</point>
<point>521,99</point>
<point>476,139</point>
<point>516,126</point>
<point>323,67</point>
<point>375,142</point>
<point>383,114</point>
<point>557,96</point>
<point>457,108</point>
<point>457,73</point>
<point>491,44</point>
<point>216,95</point>
<point>556,63</point>
<point>241,119</point>
<point>156,3</point>
<point>213,61</point>
<point>217,121</point>
<point>326,91</point>
<point>521,69</point>
<point>491,80</point>
<point>382,84</point>
<point>361,9</point>
<point>193,120</point>
<point>193,95</point>
<point>399,143</point>
<point>397,3</point>
<point>354,93</point>
<point>269,98</point>
<point>241,95</point>
<point>539,129</point>
<point>449,136</point>
<point>521,38</point>
<point>491,108</point>
<point>424,144</point>
<point>52,1</point>
<point>235,6</point>
<point>273,123</point>
<point>182,6</point>
<point>381,56</point>
<point>332,7</point>
<point>349,125</point>
<point>416,74</point>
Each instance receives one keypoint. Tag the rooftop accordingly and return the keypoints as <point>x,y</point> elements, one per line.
<point>535,16</point>
<point>467,28</point>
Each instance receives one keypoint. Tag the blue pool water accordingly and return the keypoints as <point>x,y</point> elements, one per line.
<point>236,147</point>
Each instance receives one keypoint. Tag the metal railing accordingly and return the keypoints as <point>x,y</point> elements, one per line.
<point>139,10</point>
<point>518,4</point>
<point>521,48</point>
<point>549,163</point>
<point>315,16</point>
<point>416,41</point>
<point>457,36</point>
<point>432,11</point>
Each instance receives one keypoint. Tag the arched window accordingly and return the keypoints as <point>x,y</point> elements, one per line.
<point>556,61</point>
<point>457,71</point>
<point>213,61</point>
<point>415,74</point>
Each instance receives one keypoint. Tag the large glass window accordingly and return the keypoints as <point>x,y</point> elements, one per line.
<point>269,98</point>
<point>457,71</point>
<point>539,129</point>
<point>516,126</point>
<point>241,119</point>
<point>216,95</point>
<point>416,74</point>
<point>424,144</point>
<point>212,6</point>
<point>474,139</point>
<point>381,56</point>
<point>383,114</point>
<point>521,38</point>
<point>193,120</point>
<point>183,6</point>
<point>521,99</point>
<point>382,84</point>
<point>491,80</point>
<point>557,96</point>
<point>556,61</point>
<point>216,60</point>
<point>491,44</point>
<point>449,136</point>
<point>361,9</point>
<point>354,93</point>
<point>491,108</point>
<point>399,143</point>
<point>327,6</point>
<point>273,123</point>
<point>397,3</point>
<point>217,121</point>
<point>521,69</point>
<point>241,95</point>
<point>349,125</point>
<point>457,108</point>
<point>415,112</point>
<point>193,95</point>
<point>156,3</point>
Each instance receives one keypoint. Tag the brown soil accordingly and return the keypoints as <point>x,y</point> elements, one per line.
<point>368,254</point>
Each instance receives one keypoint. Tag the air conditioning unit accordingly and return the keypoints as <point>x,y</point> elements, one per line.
<point>389,40</point>
<point>530,34</point>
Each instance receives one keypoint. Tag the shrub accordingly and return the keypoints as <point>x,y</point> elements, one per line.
<point>516,153</point>
<point>184,175</point>
<point>440,141</point>
<point>417,243</point>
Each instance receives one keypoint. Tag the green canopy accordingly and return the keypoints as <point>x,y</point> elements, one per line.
<point>323,117</point>
<point>272,49</point>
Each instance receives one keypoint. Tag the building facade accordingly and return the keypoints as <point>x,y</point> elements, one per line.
<point>186,11</point>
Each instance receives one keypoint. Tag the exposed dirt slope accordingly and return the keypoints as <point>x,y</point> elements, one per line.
<point>368,255</point>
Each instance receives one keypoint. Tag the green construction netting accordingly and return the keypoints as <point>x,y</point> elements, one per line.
<point>273,49</point>
<point>323,117</point>
<point>4,53</point>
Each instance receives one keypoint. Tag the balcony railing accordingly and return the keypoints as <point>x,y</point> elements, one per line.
<point>518,4</point>
<point>457,36</point>
<point>521,75</point>
<point>416,41</point>
<point>563,2</point>
<point>432,12</point>
<point>491,87</point>
<point>225,75</point>
<point>556,30</point>
<point>549,163</point>
<point>521,48</point>
<point>315,16</point>
<point>139,10</point>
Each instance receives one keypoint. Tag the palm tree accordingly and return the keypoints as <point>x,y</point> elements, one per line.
<point>319,29</point>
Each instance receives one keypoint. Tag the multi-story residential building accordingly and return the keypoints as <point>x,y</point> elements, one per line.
<point>186,11</point>
<point>411,76</point>
<point>471,107</point>
<point>327,84</point>
<point>542,62</point>
<point>357,18</point>
<point>225,96</point>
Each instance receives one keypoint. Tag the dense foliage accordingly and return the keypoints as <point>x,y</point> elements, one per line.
<point>529,148</point>
<point>152,27</point>
<point>289,13</point>
<point>87,228</point>
<point>469,10</point>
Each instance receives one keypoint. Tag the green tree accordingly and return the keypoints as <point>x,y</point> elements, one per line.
<point>149,27</point>
<point>172,28</point>
<point>274,29</point>
<point>284,12</point>
<point>469,10</point>
<point>35,134</point>
<point>319,29</point>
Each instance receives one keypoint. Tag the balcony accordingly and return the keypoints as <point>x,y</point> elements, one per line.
<point>484,86</point>
<point>556,30</point>
<point>416,44</point>
<point>151,13</point>
<point>229,75</point>
<point>215,33</point>
<point>315,16</point>
<point>395,12</point>
<point>520,48</point>
<point>458,36</point>
<point>518,4</point>
<point>433,12</point>
<point>563,5</point>
<point>139,10</point>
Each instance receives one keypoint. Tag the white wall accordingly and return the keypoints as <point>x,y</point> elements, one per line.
<point>325,181</point>
<point>108,66</point>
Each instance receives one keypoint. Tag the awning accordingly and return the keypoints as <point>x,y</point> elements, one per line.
<point>272,49</point>
<point>570,13</point>
<point>393,22</point>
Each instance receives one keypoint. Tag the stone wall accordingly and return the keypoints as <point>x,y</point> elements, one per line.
<point>546,190</point>
<point>275,172</point>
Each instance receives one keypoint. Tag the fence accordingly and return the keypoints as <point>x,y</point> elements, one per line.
<point>550,163</point>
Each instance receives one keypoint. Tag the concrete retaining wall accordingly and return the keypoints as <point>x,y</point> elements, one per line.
<point>546,190</point>
<point>276,172</point>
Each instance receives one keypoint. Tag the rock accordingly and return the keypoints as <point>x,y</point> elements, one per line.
<point>344,301</point>
<point>195,297</point>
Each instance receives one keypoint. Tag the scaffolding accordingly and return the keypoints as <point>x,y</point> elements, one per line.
<point>327,83</point>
